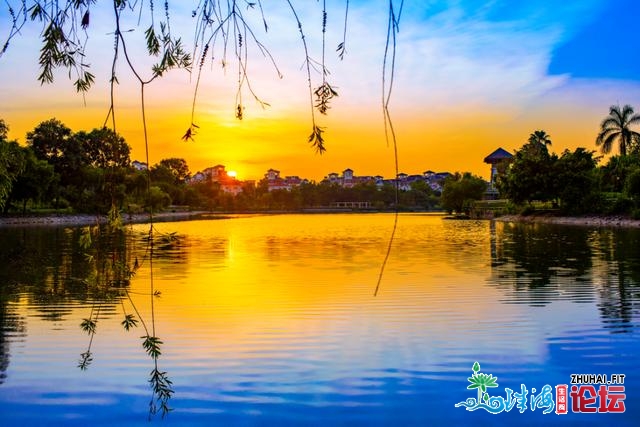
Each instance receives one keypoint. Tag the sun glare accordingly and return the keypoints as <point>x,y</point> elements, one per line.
<point>232,174</point>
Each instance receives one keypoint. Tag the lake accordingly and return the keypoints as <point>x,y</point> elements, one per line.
<point>272,320</point>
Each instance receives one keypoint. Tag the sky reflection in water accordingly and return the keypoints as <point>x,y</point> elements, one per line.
<point>271,320</point>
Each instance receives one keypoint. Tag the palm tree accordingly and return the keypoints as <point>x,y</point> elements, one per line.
<point>540,137</point>
<point>617,127</point>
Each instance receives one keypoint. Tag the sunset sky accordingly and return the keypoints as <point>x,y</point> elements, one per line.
<point>471,76</point>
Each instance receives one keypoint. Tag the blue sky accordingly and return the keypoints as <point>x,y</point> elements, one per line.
<point>606,47</point>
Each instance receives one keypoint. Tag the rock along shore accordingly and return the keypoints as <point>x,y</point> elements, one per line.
<point>591,221</point>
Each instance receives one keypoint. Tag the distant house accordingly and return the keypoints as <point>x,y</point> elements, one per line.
<point>140,166</point>
<point>333,178</point>
<point>403,182</point>
<point>347,178</point>
<point>347,174</point>
<point>197,177</point>
<point>365,179</point>
<point>272,174</point>
<point>218,174</point>
<point>232,186</point>
<point>435,180</point>
<point>275,182</point>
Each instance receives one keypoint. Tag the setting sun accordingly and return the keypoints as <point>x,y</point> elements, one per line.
<point>232,174</point>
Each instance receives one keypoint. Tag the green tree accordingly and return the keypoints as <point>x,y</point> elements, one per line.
<point>460,190</point>
<point>540,137</point>
<point>103,148</point>
<point>34,181</point>
<point>51,141</point>
<point>632,186</point>
<point>530,175</point>
<point>575,181</point>
<point>4,130</point>
<point>157,199</point>
<point>135,182</point>
<point>54,142</point>
<point>178,168</point>
<point>423,195</point>
<point>617,127</point>
<point>613,175</point>
<point>11,163</point>
<point>165,177</point>
<point>105,158</point>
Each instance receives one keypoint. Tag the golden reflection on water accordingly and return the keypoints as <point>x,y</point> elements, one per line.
<point>269,281</point>
<point>267,263</point>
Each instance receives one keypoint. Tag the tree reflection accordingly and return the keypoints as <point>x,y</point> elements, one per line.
<point>538,263</point>
<point>535,261</point>
<point>47,267</point>
<point>53,268</point>
<point>9,323</point>
<point>112,265</point>
<point>617,277</point>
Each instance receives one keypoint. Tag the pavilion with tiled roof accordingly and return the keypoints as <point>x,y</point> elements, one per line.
<point>498,156</point>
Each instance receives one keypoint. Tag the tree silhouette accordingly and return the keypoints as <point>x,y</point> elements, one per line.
<point>617,127</point>
<point>540,137</point>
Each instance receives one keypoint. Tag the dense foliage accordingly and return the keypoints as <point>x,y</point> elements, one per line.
<point>460,190</point>
<point>573,183</point>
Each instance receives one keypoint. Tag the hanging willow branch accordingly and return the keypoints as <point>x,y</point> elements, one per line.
<point>388,72</point>
<point>219,24</point>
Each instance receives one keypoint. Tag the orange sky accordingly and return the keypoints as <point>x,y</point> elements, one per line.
<point>465,85</point>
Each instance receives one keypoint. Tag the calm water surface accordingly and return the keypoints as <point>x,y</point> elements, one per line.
<point>271,320</point>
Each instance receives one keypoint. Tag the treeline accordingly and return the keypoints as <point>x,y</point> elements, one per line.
<point>91,172</point>
<point>60,169</point>
<point>80,171</point>
<point>573,182</point>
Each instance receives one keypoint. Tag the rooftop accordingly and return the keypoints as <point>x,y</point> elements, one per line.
<point>496,156</point>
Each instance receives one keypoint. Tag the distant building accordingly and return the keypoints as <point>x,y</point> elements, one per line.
<point>499,158</point>
<point>197,177</point>
<point>232,186</point>
<point>218,174</point>
<point>275,182</point>
<point>333,178</point>
<point>349,179</point>
<point>140,166</point>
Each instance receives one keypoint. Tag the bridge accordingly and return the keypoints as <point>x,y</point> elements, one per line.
<point>353,205</point>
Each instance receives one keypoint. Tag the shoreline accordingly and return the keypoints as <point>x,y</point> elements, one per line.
<point>79,220</point>
<point>582,221</point>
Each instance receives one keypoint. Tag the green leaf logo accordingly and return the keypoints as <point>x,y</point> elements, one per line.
<point>481,382</point>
